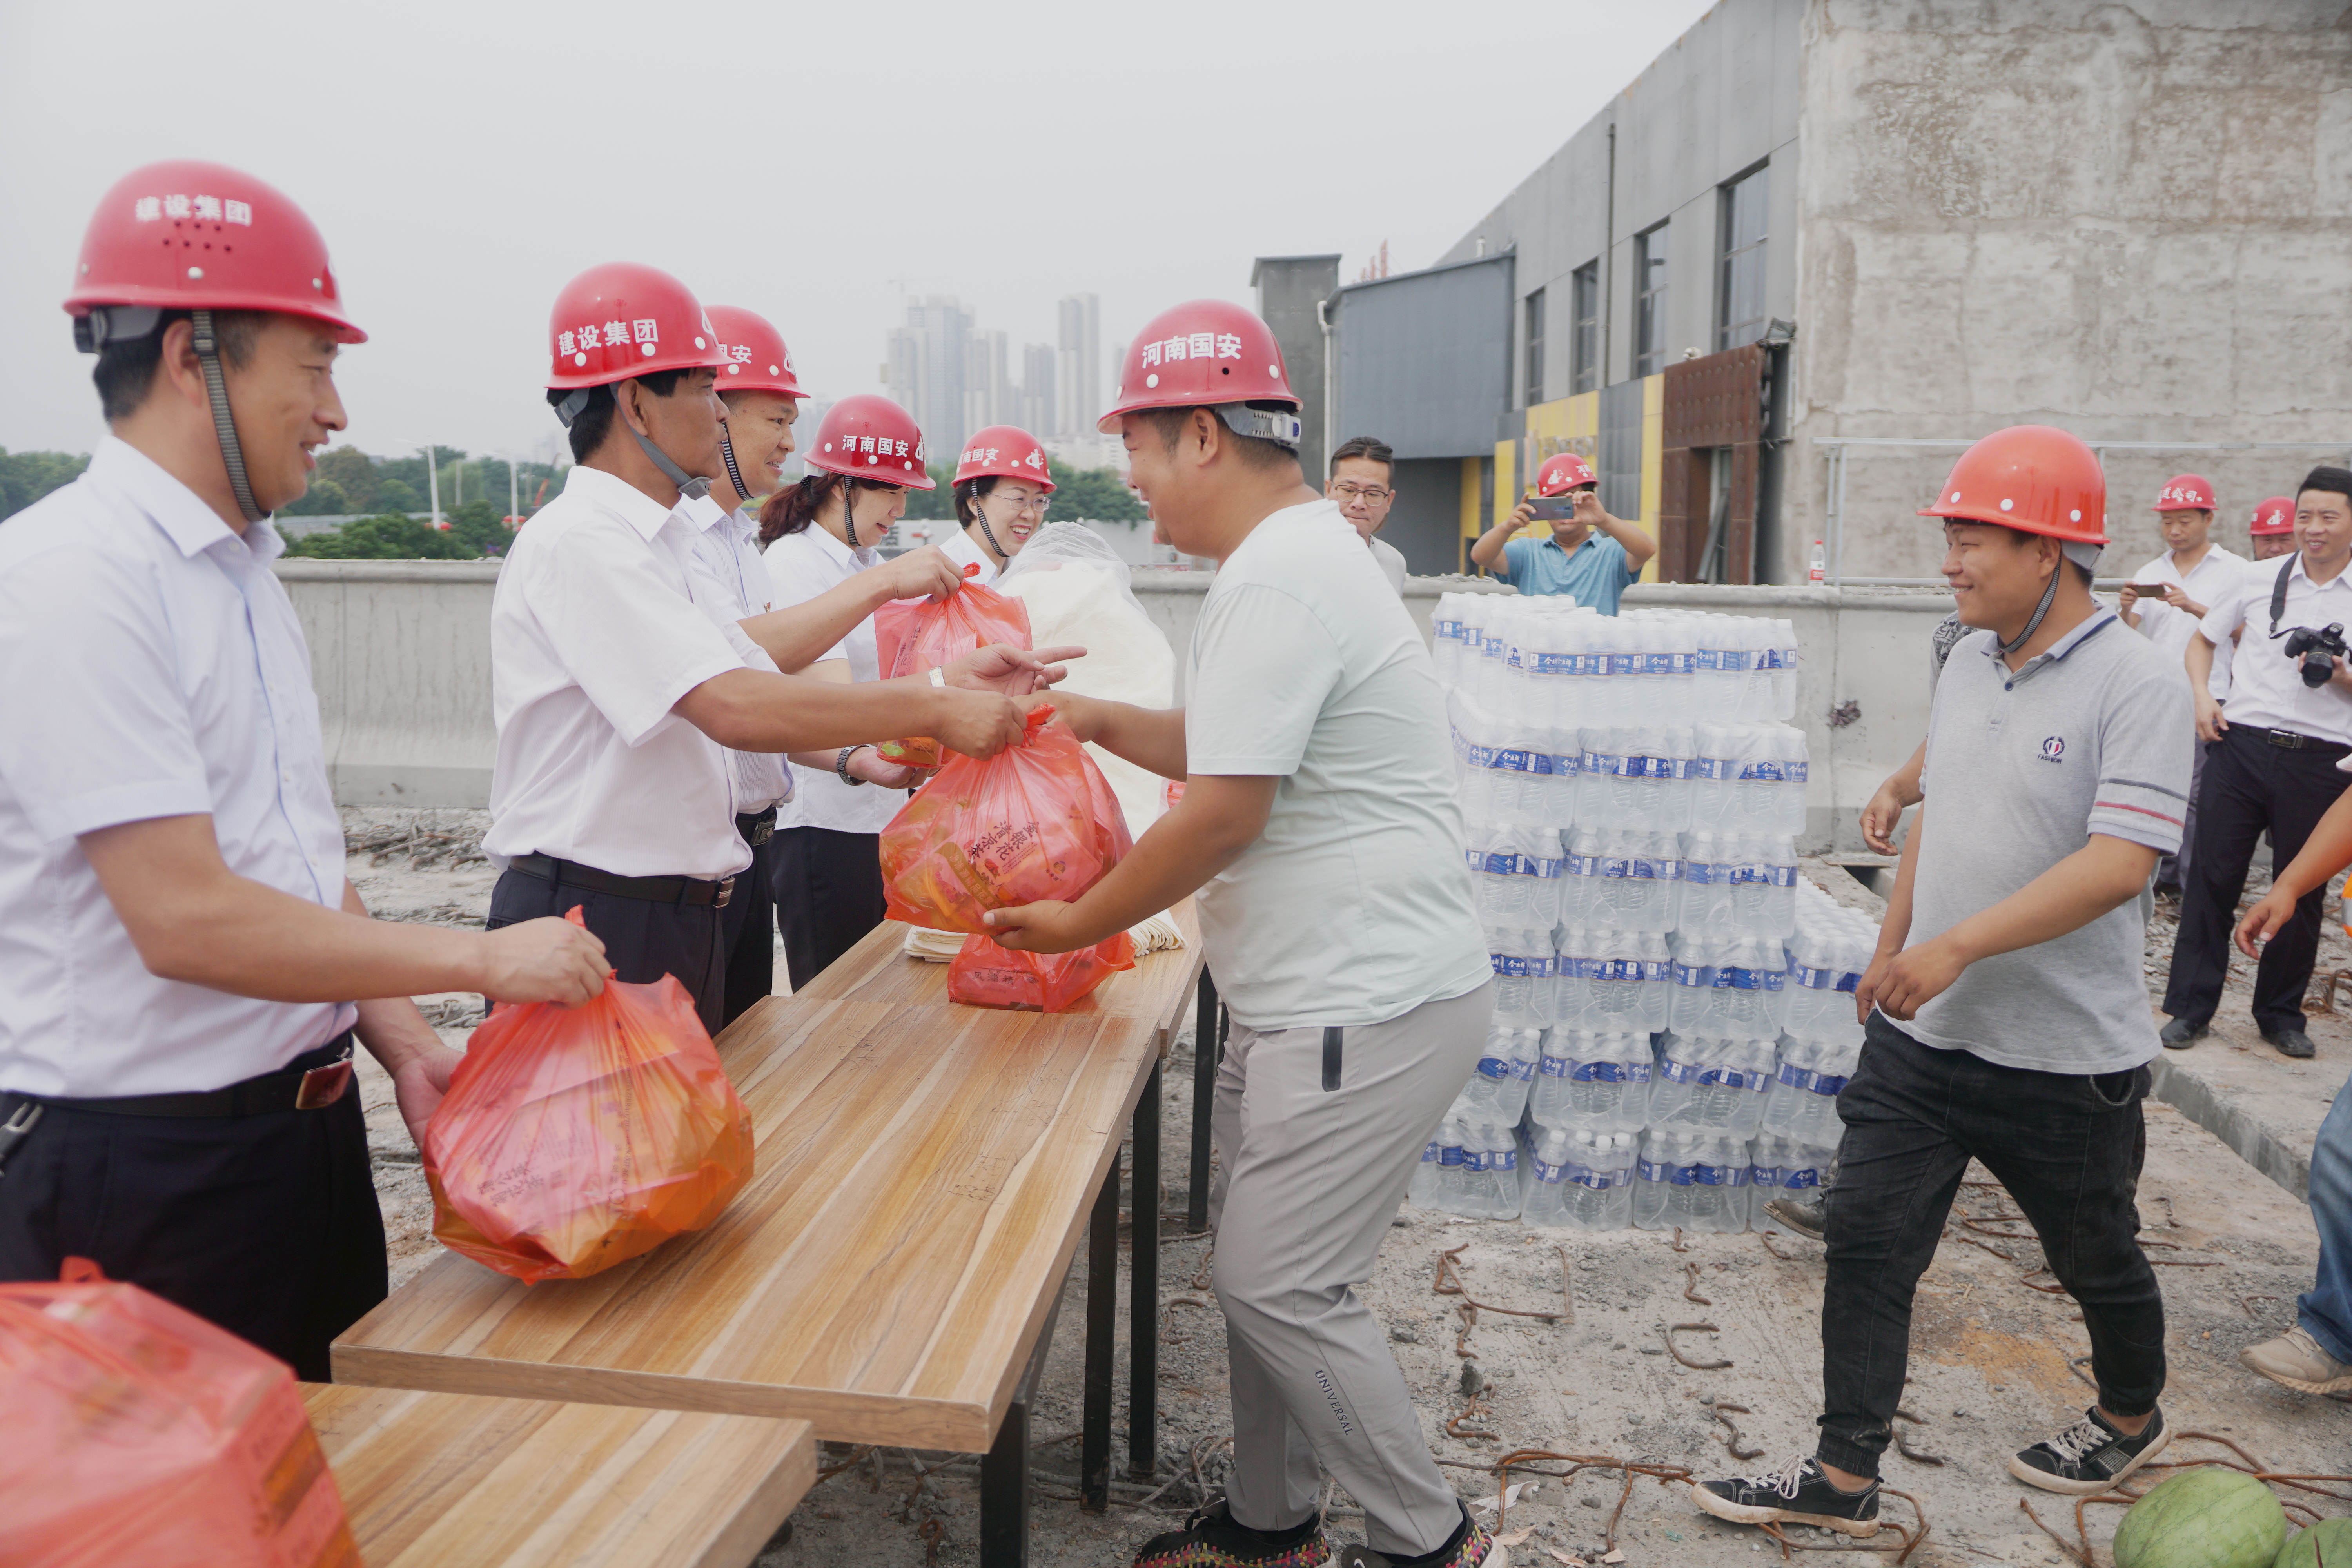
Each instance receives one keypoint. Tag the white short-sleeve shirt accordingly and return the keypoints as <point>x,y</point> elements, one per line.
<point>1354,905</point>
<point>595,633</point>
<point>801,566</point>
<point>152,667</point>
<point>726,548</point>
<point>2265,687</point>
<point>2168,629</point>
<point>1391,563</point>
<point>963,551</point>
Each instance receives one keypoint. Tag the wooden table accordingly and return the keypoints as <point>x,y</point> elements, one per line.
<point>924,1174</point>
<point>453,1480</point>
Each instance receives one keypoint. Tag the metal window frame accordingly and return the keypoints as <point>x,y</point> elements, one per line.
<point>1729,255</point>
<point>1533,323</point>
<point>1585,353</point>
<point>1650,345</point>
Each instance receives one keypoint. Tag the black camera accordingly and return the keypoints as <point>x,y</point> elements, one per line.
<point>2315,649</point>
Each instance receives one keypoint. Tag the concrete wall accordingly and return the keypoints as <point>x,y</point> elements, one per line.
<point>2133,220</point>
<point>400,651</point>
<point>1290,288</point>
<point>1721,100</point>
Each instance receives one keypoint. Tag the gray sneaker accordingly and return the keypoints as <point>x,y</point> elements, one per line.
<point>1805,1217</point>
<point>2298,1360</point>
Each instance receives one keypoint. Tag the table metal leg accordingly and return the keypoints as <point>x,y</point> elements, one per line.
<point>1004,1468</point>
<point>1143,1290</point>
<point>1208,1046</point>
<point>1102,1321</point>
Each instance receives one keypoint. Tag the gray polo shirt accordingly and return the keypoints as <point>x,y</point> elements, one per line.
<point>2091,737</point>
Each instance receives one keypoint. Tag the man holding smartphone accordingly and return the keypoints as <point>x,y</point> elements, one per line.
<point>1595,570</point>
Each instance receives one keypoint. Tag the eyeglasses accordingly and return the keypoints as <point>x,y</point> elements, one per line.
<point>1372,493</point>
<point>1037,505</point>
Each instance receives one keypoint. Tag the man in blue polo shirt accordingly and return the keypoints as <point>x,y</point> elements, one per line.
<point>1593,569</point>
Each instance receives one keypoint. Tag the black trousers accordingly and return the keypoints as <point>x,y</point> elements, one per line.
<point>747,932</point>
<point>266,1225</point>
<point>828,889</point>
<point>2069,1149</point>
<point>2251,785</point>
<point>642,940</point>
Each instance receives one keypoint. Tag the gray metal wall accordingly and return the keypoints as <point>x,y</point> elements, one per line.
<point>1422,358</point>
<point>1425,521</point>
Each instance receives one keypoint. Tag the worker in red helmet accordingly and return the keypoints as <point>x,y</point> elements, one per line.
<point>1589,554</point>
<point>2191,572</point>
<point>183,966</point>
<point>620,679</point>
<point>2272,528</point>
<point>1319,830</point>
<point>2006,1011</point>
<point>1003,485</point>
<point>761,395</point>
<point>2270,762</point>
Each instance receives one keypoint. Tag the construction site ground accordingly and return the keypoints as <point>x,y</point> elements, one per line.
<point>1615,1376</point>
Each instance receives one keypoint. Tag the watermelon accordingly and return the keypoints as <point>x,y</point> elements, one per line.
<point>2327,1544</point>
<point>2209,1518</point>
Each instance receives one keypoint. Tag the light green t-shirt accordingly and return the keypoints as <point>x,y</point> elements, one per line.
<point>1354,906</point>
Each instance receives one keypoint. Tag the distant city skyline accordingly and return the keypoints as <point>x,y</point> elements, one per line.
<point>955,376</point>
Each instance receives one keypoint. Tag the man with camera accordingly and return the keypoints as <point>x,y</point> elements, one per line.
<point>2269,765</point>
<point>1589,553</point>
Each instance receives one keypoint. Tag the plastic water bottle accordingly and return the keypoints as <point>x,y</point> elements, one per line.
<point>1668,775</point>
<point>1423,1190</point>
<point>1783,646</point>
<point>1524,971</point>
<point>1827,957</point>
<point>1621,979</point>
<point>1603,793</point>
<point>1785,1167</point>
<point>1697,1180</point>
<point>1451,1185</point>
<point>1803,1101</point>
<point>1581,1180</point>
<point>1559,779</point>
<point>1490,1175</point>
<point>1593,1082</point>
<point>1498,1090</point>
<point>1788,802</point>
<point>1728,989</point>
<point>1603,650</point>
<point>1706,907</point>
<point>1712,1085</point>
<point>1634,890</point>
<point>1766,893</point>
<point>1817,564</point>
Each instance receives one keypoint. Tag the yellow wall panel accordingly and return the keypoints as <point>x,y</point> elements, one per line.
<point>1653,457</point>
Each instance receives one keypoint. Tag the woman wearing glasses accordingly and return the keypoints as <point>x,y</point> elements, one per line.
<point>826,867</point>
<point>1001,485</point>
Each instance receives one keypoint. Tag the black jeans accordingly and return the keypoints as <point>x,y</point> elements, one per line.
<point>2069,1149</point>
<point>828,887</point>
<point>642,940</point>
<point>266,1225</point>
<point>2250,785</point>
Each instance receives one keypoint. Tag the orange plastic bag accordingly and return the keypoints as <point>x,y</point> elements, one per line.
<point>574,1139</point>
<point>911,635</point>
<point>138,1433</point>
<point>986,975</point>
<point>1039,821</point>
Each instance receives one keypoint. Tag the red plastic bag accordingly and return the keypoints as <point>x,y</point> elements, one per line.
<point>572,1139</point>
<point>911,635</point>
<point>139,1432</point>
<point>1039,821</point>
<point>986,975</point>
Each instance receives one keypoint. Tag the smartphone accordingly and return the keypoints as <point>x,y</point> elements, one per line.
<point>2147,590</point>
<point>1552,509</point>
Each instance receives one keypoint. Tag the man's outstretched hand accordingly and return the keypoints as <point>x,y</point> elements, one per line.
<point>1012,671</point>
<point>1046,926</point>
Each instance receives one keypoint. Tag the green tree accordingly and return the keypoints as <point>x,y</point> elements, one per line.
<point>323,498</point>
<point>354,472</point>
<point>1099,495</point>
<point>398,495</point>
<point>476,526</point>
<point>938,501</point>
<point>26,477</point>
<point>389,536</point>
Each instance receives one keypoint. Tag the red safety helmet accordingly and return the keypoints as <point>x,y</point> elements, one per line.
<point>755,358</point>
<point>1206,354</point>
<point>1005,452</point>
<point>1564,473</point>
<point>2184,492</point>
<point>2275,515</point>
<point>622,319</point>
<point>187,235</point>
<point>870,437</point>
<point>2031,478</point>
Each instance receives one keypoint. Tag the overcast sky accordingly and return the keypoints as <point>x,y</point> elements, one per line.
<point>817,164</point>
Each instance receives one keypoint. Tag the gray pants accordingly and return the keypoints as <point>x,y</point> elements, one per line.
<point>1319,1131</point>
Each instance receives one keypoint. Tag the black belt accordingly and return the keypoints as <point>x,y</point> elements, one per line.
<point>653,890</point>
<point>311,1081</point>
<point>757,830</point>
<point>2291,741</point>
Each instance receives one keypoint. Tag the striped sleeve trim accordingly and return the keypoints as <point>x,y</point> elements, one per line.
<point>2141,784</point>
<point>2139,814</point>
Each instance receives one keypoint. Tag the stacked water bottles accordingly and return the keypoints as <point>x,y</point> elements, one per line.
<point>1674,1008</point>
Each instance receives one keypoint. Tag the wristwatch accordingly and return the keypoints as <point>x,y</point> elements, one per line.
<point>841,762</point>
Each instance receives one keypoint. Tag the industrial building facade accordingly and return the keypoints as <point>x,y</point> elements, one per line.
<point>1769,287</point>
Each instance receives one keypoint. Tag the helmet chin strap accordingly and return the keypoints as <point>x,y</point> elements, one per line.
<point>206,343</point>
<point>734,474</point>
<point>980,516</point>
<point>690,487</point>
<point>2033,622</point>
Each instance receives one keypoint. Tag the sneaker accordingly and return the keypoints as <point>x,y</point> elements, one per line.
<point>1210,1538</point>
<point>2089,1456</point>
<point>2298,1360</point>
<point>1468,1547</point>
<point>1797,1493</point>
<point>1806,1218</point>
